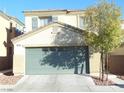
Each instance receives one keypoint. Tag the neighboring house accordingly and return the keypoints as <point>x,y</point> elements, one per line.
<point>122,25</point>
<point>53,44</point>
<point>116,57</point>
<point>10,27</point>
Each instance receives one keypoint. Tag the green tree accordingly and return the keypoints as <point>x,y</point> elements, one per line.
<point>102,23</point>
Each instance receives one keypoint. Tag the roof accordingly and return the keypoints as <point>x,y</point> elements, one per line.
<point>7,17</point>
<point>4,15</point>
<point>53,11</point>
<point>45,27</point>
<point>17,20</point>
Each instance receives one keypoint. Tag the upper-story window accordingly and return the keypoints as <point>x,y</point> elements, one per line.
<point>82,22</point>
<point>55,19</point>
<point>45,20</point>
<point>34,22</point>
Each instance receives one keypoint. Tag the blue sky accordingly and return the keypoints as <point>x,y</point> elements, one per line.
<point>15,7</point>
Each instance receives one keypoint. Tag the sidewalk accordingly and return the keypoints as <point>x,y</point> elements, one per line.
<point>119,86</point>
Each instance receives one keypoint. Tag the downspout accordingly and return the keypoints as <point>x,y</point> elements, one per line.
<point>77,20</point>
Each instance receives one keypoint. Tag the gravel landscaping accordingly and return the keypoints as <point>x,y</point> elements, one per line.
<point>120,77</point>
<point>9,79</point>
<point>99,82</point>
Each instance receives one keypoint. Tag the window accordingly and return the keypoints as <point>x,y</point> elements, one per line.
<point>55,19</point>
<point>45,21</point>
<point>81,22</point>
<point>34,23</point>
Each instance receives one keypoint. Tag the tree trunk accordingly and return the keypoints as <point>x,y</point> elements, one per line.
<point>107,68</point>
<point>82,69</point>
<point>76,68</point>
<point>102,66</point>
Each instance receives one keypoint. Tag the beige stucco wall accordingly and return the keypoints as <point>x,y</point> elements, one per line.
<point>28,23</point>
<point>122,26</point>
<point>19,67</point>
<point>94,63</point>
<point>69,19</point>
<point>4,23</point>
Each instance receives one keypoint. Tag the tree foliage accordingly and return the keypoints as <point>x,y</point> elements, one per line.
<point>104,21</point>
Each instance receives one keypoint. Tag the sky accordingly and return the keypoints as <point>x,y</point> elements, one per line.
<point>16,7</point>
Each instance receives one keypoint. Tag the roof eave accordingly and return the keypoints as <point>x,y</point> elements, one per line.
<point>49,12</point>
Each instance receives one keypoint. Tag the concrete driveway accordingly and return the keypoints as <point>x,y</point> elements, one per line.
<point>61,83</point>
<point>55,83</point>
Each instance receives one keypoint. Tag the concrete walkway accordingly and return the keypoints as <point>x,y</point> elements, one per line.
<point>64,83</point>
<point>119,86</point>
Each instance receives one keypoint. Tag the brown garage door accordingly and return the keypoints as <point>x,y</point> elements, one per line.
<point>116,64</point>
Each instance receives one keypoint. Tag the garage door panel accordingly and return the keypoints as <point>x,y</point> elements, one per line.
<point>49,70</point>
<point>55,60</point>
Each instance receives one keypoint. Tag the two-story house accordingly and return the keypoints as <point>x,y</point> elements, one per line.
<point>10,27</point>
<point>53,44</point>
